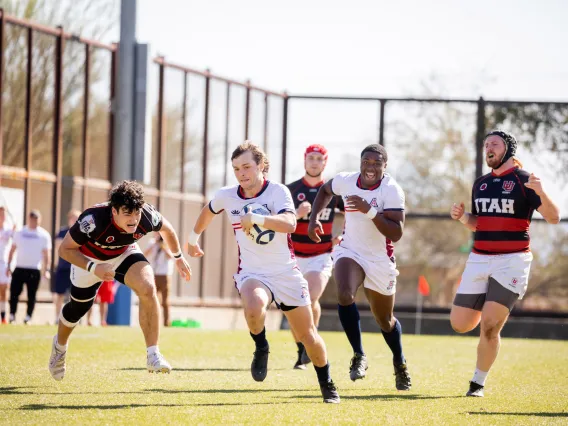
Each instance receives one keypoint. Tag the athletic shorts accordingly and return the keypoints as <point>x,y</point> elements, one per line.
<point>84,279</point>
<point>380,274</point>
<point>321,263</point>
<point>509,270</point>
<point>106,292</point>
<point>62,282</point>
<point>4,280</point>
<point>288,289</point>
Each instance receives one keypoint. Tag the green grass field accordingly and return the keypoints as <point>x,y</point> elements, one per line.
<point>107,383</point>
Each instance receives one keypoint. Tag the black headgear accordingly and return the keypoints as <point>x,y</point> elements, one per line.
<point>510,144</point>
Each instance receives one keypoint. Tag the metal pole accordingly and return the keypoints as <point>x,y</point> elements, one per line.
<point>138,151</point>
<point>2,30</point>
<point>204,176</point>
<point>111,119</point>
<point>161,143</point>
<point>382,104</point>
<point>479,138</point>
<point>265,133</point>
<point>284,138</point>
<point>28,131</point>
<point>225,179</point>
<point>247,110</point>
<point>57,134</point>
<point>122,164</point>
<point>182,171</point>
<point>86,147</point>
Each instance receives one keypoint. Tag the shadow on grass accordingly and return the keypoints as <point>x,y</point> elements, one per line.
<point>187,369</point>
<point>41,407</point>
<point>387,396</point>
<point>224,390</point>
<point>536,414</point>
<point>16,390</point>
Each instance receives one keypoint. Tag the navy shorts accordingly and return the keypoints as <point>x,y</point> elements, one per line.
<point>62,283</point>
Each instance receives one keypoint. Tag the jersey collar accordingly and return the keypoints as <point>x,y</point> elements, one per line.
<point>241,192</point>
<point>375,186</point>
<point>506,172</point>
<point>317,185</point>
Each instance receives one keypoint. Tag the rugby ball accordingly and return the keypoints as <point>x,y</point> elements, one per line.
<point>259,234</point>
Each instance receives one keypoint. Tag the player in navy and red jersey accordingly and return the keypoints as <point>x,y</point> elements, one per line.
<point>314,259</point>
<point>102,246</point>
<point>497,270</point>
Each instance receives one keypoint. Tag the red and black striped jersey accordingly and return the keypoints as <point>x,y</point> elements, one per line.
<point>101,238</point>
<point>504,207</point>
<point>303,245</point>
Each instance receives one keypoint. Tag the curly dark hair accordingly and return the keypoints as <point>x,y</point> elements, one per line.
<point>128,194</point>
<point>379,149</point>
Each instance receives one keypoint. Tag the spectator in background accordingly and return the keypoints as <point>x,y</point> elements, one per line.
<point>162,262</point>
<point>33,244</point>
<point>105,297</point>
<point>62,283</point>
<point>6,234</point>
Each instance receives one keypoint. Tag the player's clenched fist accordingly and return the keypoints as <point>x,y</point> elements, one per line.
<point>315,230</point>
<point>457,211</point>
<point>304,209</point>
<point>104,271</point>
<point>535,184</point>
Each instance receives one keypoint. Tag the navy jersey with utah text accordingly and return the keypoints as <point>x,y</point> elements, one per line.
<point>504,207</point>
<point>100,237</point>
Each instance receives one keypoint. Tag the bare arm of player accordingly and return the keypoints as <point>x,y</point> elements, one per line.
<point>283,222</point>
<point>46,255</point>
<point>69,250</point>
<point>469,220</point>
<point>10,257</point>
<point>201,224</point>
<point>170,237</point>
<point>549,211</point>
<point>323,197</point>
<point>57,245</point>
<point>389,223</point>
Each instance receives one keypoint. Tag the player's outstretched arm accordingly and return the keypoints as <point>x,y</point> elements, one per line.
<point>467,219</point>
<point>201,224</point>
<point>323,197</point>
<point>169,235</point>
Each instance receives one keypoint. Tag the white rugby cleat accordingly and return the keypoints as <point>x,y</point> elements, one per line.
<point>156,363</point>
<point>57,362</point>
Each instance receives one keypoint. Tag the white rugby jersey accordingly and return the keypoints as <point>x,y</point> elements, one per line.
<point>6,234</point>
<point>273,258</point>
<point>360,233</point>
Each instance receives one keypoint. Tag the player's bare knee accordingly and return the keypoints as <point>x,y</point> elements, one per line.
<point>309,337</point>
<point>386,322</point>
<point>147,291</point>
<point>491,330</point>
<point>345,297</point>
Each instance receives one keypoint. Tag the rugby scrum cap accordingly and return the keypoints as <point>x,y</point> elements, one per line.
<point>510,144</point>
<point>320,149</point>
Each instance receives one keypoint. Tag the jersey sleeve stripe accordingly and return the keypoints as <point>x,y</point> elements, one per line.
<point>213,211</point>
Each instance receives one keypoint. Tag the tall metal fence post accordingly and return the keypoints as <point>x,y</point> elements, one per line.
<point>284,137</point>
<point>382,104</point>
<point>2,31</point>
<point>85,141</point>
<point>205,161</point>
<point>161,137</point>
<point>479,137</point>
<point>28,131</point>
<point>247,110</point>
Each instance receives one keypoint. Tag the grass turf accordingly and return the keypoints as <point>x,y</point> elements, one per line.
<point>107,383</point>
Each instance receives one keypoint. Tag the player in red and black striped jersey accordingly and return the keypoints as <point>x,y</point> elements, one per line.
<point>314,259</point>
<point>102,246</point>
<point>496,273</point>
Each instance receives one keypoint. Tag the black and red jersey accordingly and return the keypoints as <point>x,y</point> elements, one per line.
<point>504,207</point>
<point>303,245</point>
<point>101,238</point>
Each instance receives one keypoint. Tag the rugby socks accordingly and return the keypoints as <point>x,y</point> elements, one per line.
<point>260,339</point>
<point>152,350</point>
<point>394,340</point>
<point>300,346</point>
<point>351,322</point>
<point>3,312</point>
<point>323,373</point>
<point>59,347</point>
<point>479,377</point>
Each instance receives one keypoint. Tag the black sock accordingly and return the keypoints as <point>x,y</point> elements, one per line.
<point>323,373</point>
<point>300,346</point>
<point>260,339</point>
<point>349,317</point>
<point>3,315</point>
<point>394,340</point>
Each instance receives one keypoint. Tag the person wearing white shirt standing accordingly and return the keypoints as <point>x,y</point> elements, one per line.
<point>6,234</point>
<point>33,244</point>
<point>162,262</point>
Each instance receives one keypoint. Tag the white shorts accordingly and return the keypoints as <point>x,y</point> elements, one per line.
<point>509,270</point>
<point>289,288</point>
<point>380,274</point>
<point>84,279</point>
<point>321,263</point>
<point>4,280</point>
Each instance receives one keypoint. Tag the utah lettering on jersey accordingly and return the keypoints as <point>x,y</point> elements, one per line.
<point>504,209</point>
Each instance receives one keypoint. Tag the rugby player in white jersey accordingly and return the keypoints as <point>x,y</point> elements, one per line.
<point>266,273</point>
<point>374,218</point>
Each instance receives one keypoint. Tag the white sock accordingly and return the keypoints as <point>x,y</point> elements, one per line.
<point>479,377</point>
<point>151,350</point>
<point>60,348</point>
